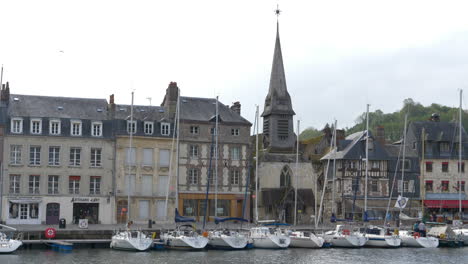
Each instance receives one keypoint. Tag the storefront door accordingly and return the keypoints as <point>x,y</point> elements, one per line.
<point>52,213</point>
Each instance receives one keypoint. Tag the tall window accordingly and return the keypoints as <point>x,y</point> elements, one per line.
<point>96,157</point>
<point>375,165</point>
<point>235,177</point>
<point>235,153</point>
<point>444,147</point>
<point>75,157</point>
<point>194,130</point>
<point>54,156</point>
<point>194,151</point>
<point>235,131</point>
<point>96,129</point>
<point>165,128</point>
<point>95,185</point>
<point>74,184</point>
<point>405,186</point>
<point>462,186</point>
<point>54,127</point>
<point>374,186</point>
<point>429,186</point>
<point>285,177</point>
<point>131,156</point>
<point>148,127</point>
<point>53,184</point>
<point>148,157</point>
<point>17,125</point>
<point>164,158</point>
<point>193,176</point>
<point>36,126</point>
<point>35,155</point>
<point>75,128</point>
<point>15,183</point>
<point>428,166</point>
<point>15,154</point>
<point>445,166</point>
<point>33,184</point>
<point>131,127</point>
<point>462,167</point>
<point>444,186</point>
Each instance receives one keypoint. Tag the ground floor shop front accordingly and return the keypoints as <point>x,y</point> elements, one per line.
<point>49,210</point>
<point>143,209</point>
<point>227,205</point>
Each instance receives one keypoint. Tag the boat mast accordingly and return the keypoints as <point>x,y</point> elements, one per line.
<point>295,173</point>
<point>216,160</point>
<point>130,152</point>
<point>422,186</point>
<point>334,170</point>
<point>177,151</point>
<point>367,163</point>
<point>325,179</point>
<point>256,166</point>
<point>460,158</point>
<point>403,166</point>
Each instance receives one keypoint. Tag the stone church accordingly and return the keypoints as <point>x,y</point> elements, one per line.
<point>277,157</point>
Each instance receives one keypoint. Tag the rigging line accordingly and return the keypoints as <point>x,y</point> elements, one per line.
<point>393,184</point>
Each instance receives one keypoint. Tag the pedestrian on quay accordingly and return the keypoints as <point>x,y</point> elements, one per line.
<point>422,229</point>
<point>416,227</point>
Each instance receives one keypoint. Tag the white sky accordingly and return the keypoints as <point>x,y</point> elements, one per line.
<point>338,55</point>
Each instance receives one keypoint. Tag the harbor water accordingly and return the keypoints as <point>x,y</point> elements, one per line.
<point>327,255</point>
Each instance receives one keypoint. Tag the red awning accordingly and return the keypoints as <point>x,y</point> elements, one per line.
<point>445,203</point>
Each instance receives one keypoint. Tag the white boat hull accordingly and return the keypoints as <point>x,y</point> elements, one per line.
<point>271,242</point>
<point>9,245</point>
<point>423,242</point>
<point>228,242</point>
<point>306,242</point>
<point>124,241</point>
<point>383,241</point>
<point>186,242</point>
<point>463,233</point>
<point>349,241</point>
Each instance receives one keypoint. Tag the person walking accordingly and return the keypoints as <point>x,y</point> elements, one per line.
<point>422,229</point>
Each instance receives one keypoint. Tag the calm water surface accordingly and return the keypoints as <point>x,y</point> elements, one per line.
<point>349,256</point>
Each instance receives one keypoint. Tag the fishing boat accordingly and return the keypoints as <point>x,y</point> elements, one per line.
<point>185,236</point>
<point>414,239</point>
<point>134,240</point>
<point>343,237</point>
<point>228,238</point>
<point>305,239</point>
<point>380,237</point>
<point>270,236</point>
<point>9,245</point>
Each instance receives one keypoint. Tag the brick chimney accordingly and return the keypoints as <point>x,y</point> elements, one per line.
<point>5,93</point>
<point>111,107</point>
<point>380,134</point>
<point>170,99</point>
<point>236,107</point>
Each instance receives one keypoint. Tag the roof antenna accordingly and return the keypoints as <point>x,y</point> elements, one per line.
<point>277,12</point>
<point>149,99</point>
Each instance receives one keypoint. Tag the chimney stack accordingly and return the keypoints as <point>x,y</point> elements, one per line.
<point>5,93</point>
<point>380,134</point>
<point>236,107</point>
<point>170,99</point>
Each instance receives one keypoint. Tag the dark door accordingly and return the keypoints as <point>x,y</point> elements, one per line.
<point>52,214</point>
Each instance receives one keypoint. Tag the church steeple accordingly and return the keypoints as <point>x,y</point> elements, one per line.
<point>278,131</point>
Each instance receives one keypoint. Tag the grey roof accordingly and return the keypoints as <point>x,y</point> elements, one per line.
<point>355,148</point>
<point>140,112</point>
<point>57,107</point>
<point>204,109</point>
<point>393,150</point>
<point>438,131</point>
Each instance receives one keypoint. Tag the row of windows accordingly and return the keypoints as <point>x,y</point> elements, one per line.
<point>194,177</point>
<point>445,167</point>
<point>195,130</point>
<point>148,160</point>
<point>76,127</point>
<point>194,152</point>
<point>53,184</point>
<point>444,186</point>
<point>74,157</point>
<point>148,128</point>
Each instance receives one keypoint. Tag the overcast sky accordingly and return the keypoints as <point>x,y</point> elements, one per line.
<point>338,55</point>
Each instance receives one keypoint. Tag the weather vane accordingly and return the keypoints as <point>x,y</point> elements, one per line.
<point>277,11</point>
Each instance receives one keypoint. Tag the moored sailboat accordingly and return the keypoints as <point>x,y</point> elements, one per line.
<point>185,236</point>
<point>305,239</point>
<point>414,239</point>
<point>343,237</point>
<point>270,236</point>
<point>8,245</point>
<point>380,237</point>
<point>228,238</point>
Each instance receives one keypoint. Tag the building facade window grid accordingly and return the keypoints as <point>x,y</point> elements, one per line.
<point>15,183</point>
<point>131,127</point>
<point>36,126</point>
<point>54,127</point>
<point>35,155</point>
<point>54,156</point>
<point>74,184</point>
<point>235,132</point>
<point>193,178</point>
<point>194,130</point>
<point>148,128</point>
<point>193,151</point>
<point>75,157</point>
<point>96,157</point>
<point>76,128</point>
<point>96,129</point>
<point>165,128</point>
<point>15,154</point>
<point>235,177</point>
<point>17,125</point>
<point>235,153</point>
<point>34,184</point>
<point>95,185</point>
<point>53,184</point>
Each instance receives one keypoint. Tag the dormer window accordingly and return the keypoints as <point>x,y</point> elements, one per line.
<point>96,129</point>
<point>131,127</point>
<point>36,126</point>
<point>76,128</point>
<point>17,125</point>
<point>54,127</point>
<point>235,132</point>
<point>165,127</point>
<point>148,127</point>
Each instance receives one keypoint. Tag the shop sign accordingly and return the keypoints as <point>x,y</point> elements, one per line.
<point>85,200</point>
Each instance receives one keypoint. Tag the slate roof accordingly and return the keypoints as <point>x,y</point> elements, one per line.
<point>57,107</point>
<point>204,109</point>
<point>438,131</point>
<point>354,147</point>
<point>140,112</point>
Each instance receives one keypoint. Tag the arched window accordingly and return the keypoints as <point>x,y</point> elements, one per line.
<point>285,177</point>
